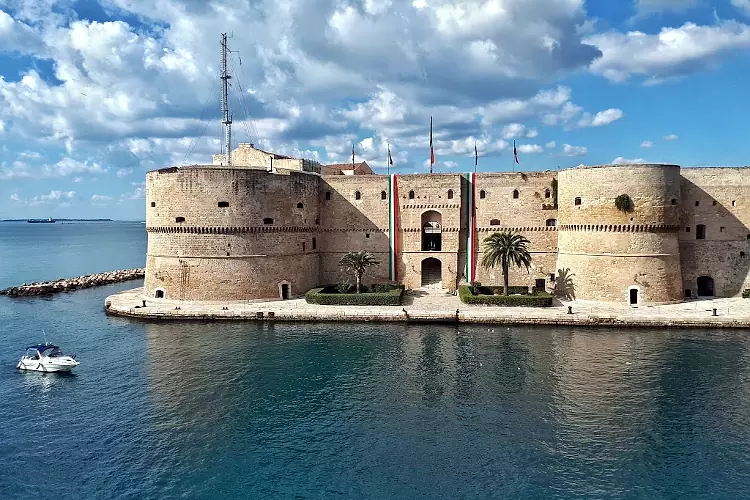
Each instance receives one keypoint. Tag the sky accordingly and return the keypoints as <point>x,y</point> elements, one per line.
<point>93,94</point>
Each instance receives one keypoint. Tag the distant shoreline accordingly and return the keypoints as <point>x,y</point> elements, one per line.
<point>74,220</point>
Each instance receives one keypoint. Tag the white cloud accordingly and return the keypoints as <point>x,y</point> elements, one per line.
<point>647,144</point>
<point>645,7</point>
<point>530,148</point>
<point>63,168</point>
<point>138,192</point>
<point>124,172</point>
<point>625,161</point>
<point>551,145</point>
<point>100,198</point>
<point>742,5</point>
<point>568,150</point>
<point>53,197</point>
<point>672,52</point>
<point>671,137</point>
<point>601,118</point>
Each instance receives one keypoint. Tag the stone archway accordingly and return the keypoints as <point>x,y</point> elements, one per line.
<point>705,286</point>
<point>432,273</point>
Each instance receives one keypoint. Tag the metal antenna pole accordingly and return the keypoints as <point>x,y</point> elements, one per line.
<point>227,117</point>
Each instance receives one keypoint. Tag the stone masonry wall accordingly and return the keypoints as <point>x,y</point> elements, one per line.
<point>719,199</point>
<point>230,233</point>
<point>611,252</point>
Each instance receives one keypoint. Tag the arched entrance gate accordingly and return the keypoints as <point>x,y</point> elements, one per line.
<point>432,272</point>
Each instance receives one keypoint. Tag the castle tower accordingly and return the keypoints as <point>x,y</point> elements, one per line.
<point>629,254</point>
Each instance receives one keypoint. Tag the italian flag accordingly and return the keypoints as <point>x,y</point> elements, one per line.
<point>471,233</point>
<point>393,227</point>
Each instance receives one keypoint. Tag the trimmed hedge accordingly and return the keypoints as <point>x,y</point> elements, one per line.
<point>538,299</point>
<point>746,293</point>
<point>376,295</point>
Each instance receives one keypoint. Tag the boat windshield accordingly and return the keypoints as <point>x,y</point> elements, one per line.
<point>32,353</point>
<point>52,352</point>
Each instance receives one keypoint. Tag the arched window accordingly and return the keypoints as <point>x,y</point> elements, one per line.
<point>357,195</point>
<point>482,194</point>
<point>577,201</point>
<point>383,195</point>
<point>450,194</point>
<point>547,194</point>
<point>268,220</point>
<point>674,201</point>
<point>432,229</point>
<point>697,203</point>
<point>495,222</point>
<point>300,205</point>
<point>179,219</point>
<point>551,222</point>
<point>515,193</point>
<point>223,204</point>
<point>328,195</point>
<point>411,195</point>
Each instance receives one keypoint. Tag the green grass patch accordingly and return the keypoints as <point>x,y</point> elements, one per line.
<point>537,299</point>
<point>375,295</point>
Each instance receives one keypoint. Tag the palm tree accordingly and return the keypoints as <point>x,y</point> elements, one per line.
<point>506,248</point>
<point>564,286</point>
<point>356,263</point>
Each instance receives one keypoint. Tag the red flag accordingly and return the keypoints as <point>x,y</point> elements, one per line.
<point>432,152</point>
<point>515,153</point>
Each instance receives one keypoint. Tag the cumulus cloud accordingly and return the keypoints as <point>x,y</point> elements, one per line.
<point>645,7</point>
<point>647,144</point>
<point>742,5</point>
<point>63,168</point>
<point>671,137</point>
<point>53,197</point>
<point>627,161</point>
<point>100,198</point>
<point>124,172</point>
<point>530,148</point>
<point>551,145</point>
<point>672,52</point>
<point>138,192</point>
<point>568,150</point>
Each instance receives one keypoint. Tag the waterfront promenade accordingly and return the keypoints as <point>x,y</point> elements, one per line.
<point>438,306</point>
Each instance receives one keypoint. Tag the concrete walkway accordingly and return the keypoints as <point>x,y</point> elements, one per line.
<point>439,306</point>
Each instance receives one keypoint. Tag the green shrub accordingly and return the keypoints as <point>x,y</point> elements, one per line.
<point>746,293</point>
<point>538,299</point>
<point>375,295</point>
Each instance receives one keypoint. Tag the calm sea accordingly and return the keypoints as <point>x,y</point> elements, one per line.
<point>325,411</point>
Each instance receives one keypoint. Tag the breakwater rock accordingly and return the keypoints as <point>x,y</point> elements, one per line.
<point>70,284</point>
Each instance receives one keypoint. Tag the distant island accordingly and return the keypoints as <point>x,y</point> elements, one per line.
<point>57,220</point>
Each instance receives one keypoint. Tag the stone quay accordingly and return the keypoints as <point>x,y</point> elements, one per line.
<point>70,284</point>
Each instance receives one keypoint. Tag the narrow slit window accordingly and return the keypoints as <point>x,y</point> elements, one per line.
<point>450,194</point>
<point>482,194</point>
<point>328,195</point>
<point>315,244</point>
<point>383,195</point>
<point>357,195</point>
<point>153,203</point>
<point>411,195</point>
<point>515,194</point>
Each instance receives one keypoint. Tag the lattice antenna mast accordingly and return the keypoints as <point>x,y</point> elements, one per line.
<point>227,116</point>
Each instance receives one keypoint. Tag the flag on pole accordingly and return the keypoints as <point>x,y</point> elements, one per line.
<point>515,153</point>
<point>352,155</point>
<point>432,152</point>
<point>390,160</point>
<point>476,156</point>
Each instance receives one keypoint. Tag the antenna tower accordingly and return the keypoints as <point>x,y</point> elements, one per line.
<point>227,116</point>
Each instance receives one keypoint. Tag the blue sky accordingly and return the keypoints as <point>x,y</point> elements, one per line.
<point>95,94</point>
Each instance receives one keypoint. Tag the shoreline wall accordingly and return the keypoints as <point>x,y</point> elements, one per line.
<point>71,284</point>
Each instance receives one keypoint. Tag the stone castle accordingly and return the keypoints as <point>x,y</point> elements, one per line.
<point>271,227</point>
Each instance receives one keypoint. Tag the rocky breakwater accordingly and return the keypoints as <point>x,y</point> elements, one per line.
<point>70,284</point>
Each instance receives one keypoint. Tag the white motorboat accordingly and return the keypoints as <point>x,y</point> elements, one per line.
<point>46,358</point>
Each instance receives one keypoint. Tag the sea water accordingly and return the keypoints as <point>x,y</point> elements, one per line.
<point>381,411</point>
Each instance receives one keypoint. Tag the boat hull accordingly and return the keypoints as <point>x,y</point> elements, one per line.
<point>42,366</point>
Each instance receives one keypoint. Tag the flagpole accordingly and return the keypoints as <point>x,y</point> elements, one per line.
<point>432,153</point>
<point>388,161</point>
<point>476,157</point>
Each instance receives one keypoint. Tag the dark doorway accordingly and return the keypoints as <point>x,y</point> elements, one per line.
<point>540,284</point>
<point>633,296</point>
<point>705,286</point>
<point>688,293</point>
<point>431,231</point>
<point>159,294</point>
<point>284,291</point>
<point>432,272</point>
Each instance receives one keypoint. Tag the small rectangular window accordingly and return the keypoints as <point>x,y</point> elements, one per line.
<point>700,232</point>
<point>315,244</point>
<point>223,204</point>
<point>153,203</point>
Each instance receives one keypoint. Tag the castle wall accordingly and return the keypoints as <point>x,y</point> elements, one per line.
<point>723,207</point>
<point>611,252</point>
<point>527,214</point>
<point>199,249</point>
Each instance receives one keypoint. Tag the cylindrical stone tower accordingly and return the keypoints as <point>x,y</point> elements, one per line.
<point>228,233</point>
<point>628,254</point>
